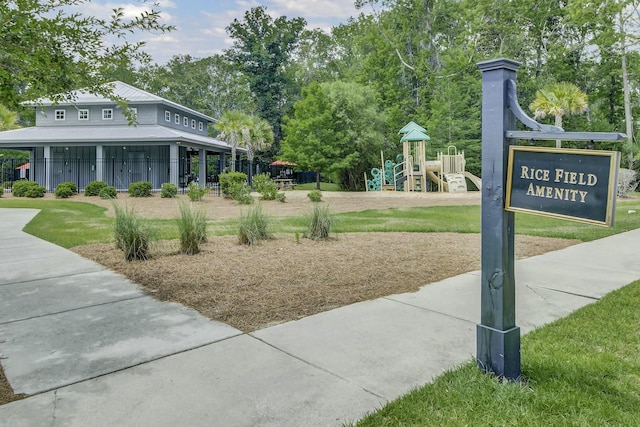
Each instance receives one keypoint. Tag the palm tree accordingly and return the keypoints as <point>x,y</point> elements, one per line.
<point>230,126</point>
<point>558,99</point>
<point>256,136</point>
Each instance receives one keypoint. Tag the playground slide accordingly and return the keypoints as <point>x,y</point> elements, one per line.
<point>441,183</point>
<point>474,179</point>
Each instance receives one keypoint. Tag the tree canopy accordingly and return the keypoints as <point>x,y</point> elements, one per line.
<point>47,51</point>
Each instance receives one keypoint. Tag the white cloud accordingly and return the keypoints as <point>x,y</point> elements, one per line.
<point>326,9</point>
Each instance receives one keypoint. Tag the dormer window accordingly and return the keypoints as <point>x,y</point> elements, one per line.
<point>60,114</point>
<point>200,126</point>
<point>177,118</point>
<point>107,114</point>
<point>185,121</point>
<point>167,115</point>
<point>83,114</point>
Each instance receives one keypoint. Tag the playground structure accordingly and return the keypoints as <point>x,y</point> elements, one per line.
<point>411,170</point>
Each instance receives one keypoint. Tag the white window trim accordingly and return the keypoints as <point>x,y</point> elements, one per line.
<point>185,121</point>
<point>177,118</point>
<point>200,126</point>
<point>80,113</point>
<point>167,115</point>
<point>61,117</point>
<point>108,111</point>
<point>193,123</point>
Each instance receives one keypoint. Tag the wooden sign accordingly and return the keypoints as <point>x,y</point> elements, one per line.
<point>578,185</point>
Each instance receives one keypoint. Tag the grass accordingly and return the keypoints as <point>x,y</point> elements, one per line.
<point>253,226</point>
<point>324,186</point>
<point>71,224</point>
<point>192,227</point>
<point>582,370</point>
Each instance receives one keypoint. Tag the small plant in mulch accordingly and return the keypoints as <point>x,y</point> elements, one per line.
<point>131,235</point>
<point>320,221</point>
<point>108,192</point>
<point>315,195</point>
<point>140,189</point>
<point>94,187</point>
<point>168,190</point>
<point>253,226</point>
<point>65,190</point>
<point>196,192</point>
<point>32,189</point>
<point>192,227</point>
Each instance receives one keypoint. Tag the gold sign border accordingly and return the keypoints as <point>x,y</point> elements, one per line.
<point>614,164</point>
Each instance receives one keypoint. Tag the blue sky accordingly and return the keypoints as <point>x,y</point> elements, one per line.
<point>200,24</point>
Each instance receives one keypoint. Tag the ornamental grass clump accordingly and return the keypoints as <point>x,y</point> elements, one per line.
<point>131,235</point>
<point>253,226</point>
<point>320,222</point>
<point>192,227</point>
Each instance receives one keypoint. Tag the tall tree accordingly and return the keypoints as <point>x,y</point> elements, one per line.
<point>231,126</point>
<point>262,47</point>
<point>337,128</point>
<point>46,51</point>
<point>210,85</point>
<point>558,100</point>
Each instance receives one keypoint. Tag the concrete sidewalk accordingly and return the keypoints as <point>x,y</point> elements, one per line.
<point>322,370</point>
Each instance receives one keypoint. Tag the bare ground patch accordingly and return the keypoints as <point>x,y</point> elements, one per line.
<point>251,287</point>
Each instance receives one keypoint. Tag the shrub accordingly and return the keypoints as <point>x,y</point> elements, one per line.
<point>253,226</point>
<point>230,180</point>
<point>196,192</point>
<point>24,188</point>
<point>65,190</point>
<point>131,235</point>
<point>168,190</point>
<point>192,227</point>
<point>140,189</point>
<point>108,192</point>
<point>1,191</point>
<point>320,222</point>
<point>264,185</point>
<point>93,188</point>
<point>627,182</point>
<point>281,197</point>
<point>315,195</point>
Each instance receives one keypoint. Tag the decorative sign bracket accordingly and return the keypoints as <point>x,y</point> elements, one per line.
<point>548,132</point>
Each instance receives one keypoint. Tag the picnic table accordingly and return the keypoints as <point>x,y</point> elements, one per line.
<point>285,183</point>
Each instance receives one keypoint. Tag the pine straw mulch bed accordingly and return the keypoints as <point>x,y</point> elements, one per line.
<point>252,287</point>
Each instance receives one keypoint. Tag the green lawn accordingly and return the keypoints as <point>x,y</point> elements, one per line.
<point>583,370</point>
<point>324,186</point>
<point>70,224</point>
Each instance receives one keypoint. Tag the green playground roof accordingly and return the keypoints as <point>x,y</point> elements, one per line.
<point>415,135</point>
<point>411,126</point>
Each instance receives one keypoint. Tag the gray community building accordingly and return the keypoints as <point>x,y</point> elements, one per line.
<point>89,138</point>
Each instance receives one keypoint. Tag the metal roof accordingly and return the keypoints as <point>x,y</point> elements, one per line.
<point>415,135</point>
<point>132,94</point>
<point>107,135</point>
<point>411,126</point>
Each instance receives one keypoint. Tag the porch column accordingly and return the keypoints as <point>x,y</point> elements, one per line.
<point>47,167</point>
<point>174,164</point>
<point>99,163</point>
<point>202,168</point>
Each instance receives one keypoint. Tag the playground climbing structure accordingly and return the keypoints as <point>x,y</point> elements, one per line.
<point>411,170</point>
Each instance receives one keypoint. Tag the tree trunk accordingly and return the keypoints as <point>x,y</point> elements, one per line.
<point>233,158</point>
<point>317,180</point>
<point>628,118</point>
<point>250,177</point>
<point>558,124</point>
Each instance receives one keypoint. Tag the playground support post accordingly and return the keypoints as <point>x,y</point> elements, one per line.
<point>498,337</point>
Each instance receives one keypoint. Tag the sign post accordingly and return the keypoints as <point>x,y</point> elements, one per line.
<point>498,337</point>
<point>564,188</point>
